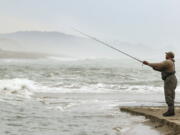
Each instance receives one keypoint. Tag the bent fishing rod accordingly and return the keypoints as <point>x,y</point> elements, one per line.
<point>106,44</point>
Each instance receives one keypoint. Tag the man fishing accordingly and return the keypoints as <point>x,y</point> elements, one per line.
<point>167,69</point>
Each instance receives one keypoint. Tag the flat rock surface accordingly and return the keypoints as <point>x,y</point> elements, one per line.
<point>155,115</point>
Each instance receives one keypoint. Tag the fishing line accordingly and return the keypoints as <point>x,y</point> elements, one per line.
<point>106,44</point>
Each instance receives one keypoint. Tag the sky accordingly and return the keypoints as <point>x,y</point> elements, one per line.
<point>150,22</point>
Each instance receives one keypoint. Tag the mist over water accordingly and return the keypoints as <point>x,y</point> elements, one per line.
<point>57,44</point>
<point>79,97</point>
<point>55,81</point>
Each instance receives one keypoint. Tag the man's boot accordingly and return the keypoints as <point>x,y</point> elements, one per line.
<point>170,111</point>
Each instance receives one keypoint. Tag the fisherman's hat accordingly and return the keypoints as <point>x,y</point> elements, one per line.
<point>171,54</point>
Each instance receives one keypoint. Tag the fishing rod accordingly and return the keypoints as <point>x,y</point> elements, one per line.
<point>106,44</point>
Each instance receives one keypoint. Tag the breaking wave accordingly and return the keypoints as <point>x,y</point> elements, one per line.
<point>26,88</point>
<point>17,86</point>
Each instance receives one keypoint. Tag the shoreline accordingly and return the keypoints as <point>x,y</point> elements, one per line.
<point>165,125</point>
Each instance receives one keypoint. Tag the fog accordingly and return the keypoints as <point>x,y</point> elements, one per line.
<point>67,45</point>
<point>144,29</point>
<point>55,80</point>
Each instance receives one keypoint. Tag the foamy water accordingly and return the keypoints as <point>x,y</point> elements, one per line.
<point>76,97</point>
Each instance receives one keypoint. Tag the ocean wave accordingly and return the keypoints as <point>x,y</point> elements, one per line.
<point>17,86</point>
<point>63,58</point>
<point>104,88</point>
<point>26,88</point>
<point>90,59</point>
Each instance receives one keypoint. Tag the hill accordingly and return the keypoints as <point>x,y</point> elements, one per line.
<point>57,43</point>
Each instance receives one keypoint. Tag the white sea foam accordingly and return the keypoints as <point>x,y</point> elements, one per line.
<point>139,129</point>
<point>26,88</point>
<point>17,86</point>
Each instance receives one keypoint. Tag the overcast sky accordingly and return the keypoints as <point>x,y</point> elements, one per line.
<point>150,22</point>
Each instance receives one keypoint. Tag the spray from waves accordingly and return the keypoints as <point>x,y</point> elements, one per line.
<point>62,58</point>
<point>102,88</point>
<point>66,59</point>
<point>26,88</point>
<point>17,86</point>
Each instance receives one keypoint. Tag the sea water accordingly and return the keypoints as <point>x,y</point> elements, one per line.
<point>76,97</point>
